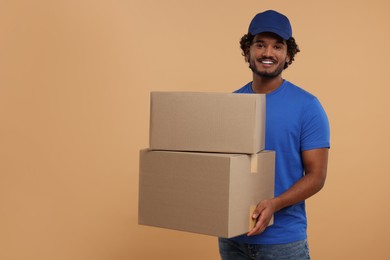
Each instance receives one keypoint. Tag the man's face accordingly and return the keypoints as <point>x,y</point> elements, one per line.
<point>267,55</point>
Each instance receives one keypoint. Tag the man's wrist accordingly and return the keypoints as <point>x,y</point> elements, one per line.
<point>277,203</point>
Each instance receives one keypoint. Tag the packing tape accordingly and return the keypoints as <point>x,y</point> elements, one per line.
<point>253,163</point>
<point>252,222</point>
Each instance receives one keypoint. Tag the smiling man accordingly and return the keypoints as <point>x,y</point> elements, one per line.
<point>297,129</point>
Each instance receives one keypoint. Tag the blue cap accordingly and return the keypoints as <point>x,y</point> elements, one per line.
<point>271,21</point>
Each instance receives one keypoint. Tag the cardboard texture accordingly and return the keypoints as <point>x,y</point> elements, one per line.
<point>207,122</point>
<point>206,193</point>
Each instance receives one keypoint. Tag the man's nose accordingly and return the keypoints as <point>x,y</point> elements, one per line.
<point>267,51</point>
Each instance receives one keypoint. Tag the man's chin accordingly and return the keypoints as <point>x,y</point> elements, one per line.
<point>265,74</point>
<point>268,75</point>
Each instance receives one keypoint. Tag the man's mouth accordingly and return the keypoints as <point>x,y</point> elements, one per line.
<point>267,62</point>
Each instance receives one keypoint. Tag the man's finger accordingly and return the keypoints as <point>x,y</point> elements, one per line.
<point>257,211</point>
<point>258,228</point>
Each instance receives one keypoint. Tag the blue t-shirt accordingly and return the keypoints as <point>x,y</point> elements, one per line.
<point>295,122</point>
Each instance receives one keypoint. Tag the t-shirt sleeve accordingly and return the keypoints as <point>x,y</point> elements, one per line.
<point>315,131</point>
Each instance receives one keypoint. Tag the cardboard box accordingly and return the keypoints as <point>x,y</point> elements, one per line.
<point>206,193</point>
<point>207,122</point>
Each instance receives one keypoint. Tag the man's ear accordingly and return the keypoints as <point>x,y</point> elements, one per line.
<point>247,56</point>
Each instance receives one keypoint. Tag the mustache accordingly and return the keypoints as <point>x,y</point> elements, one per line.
<point>267,59</point>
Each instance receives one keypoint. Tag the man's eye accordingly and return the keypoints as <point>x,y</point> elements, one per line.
<point>259,45</point>
<point>278,47</point>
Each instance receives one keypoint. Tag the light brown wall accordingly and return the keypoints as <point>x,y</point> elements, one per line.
<point>75,78</point>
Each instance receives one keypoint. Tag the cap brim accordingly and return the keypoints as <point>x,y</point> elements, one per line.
<point>282,34</point>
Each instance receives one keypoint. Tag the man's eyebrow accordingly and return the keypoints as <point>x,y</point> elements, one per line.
<point>258,40</point>
<point>281,42</point>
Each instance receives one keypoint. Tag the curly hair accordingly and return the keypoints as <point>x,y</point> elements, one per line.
<point>292,47</point>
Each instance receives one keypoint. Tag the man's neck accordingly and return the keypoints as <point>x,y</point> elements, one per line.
<point>263,85</point>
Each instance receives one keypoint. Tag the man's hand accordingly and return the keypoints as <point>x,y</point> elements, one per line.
<point>315,164</point>
<point>263,214</point>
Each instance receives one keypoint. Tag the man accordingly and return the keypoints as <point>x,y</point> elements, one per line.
<point>297,129</point>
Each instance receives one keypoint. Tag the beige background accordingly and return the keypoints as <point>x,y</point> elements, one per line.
<point>75,78</point>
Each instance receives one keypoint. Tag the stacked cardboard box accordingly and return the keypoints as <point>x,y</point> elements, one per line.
<point>206,169</point>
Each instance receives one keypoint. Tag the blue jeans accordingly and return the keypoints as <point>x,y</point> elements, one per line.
<point>232,250</point>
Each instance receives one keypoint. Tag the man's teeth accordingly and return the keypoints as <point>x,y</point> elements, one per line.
<point>266,62</point>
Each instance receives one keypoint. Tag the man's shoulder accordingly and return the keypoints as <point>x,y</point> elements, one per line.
<point>245,89</point>
<point>299,92</point>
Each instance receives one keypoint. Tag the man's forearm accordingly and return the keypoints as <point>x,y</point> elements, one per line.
<point>300,191</point>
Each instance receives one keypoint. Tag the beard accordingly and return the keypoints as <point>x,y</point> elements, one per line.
<point>266,74</point>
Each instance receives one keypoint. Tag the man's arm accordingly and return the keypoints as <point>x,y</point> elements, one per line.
<point>315,164</point>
